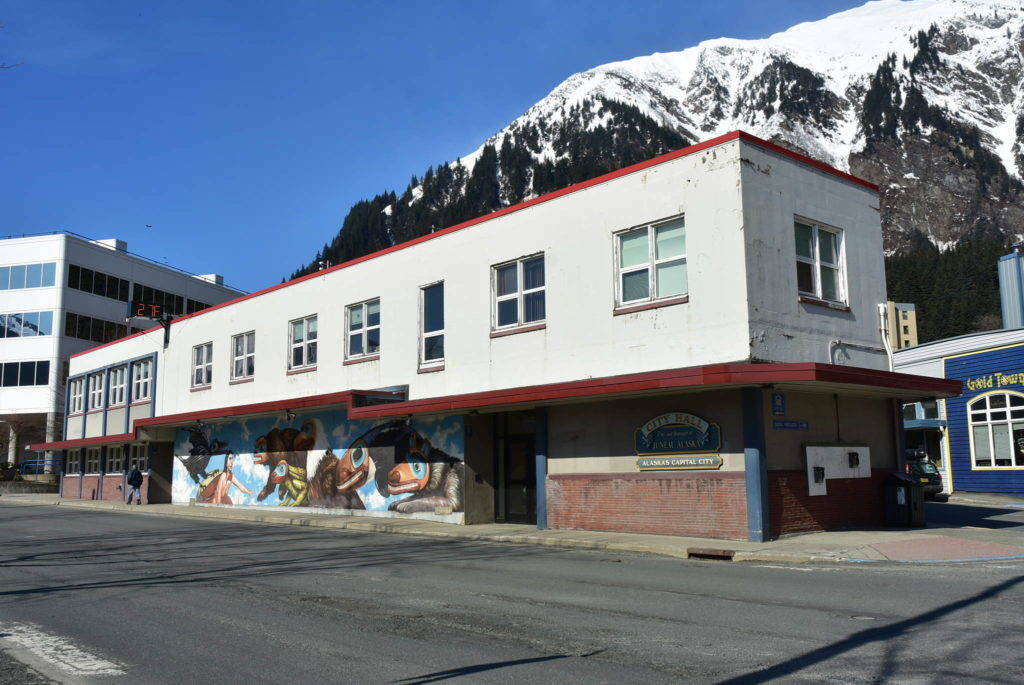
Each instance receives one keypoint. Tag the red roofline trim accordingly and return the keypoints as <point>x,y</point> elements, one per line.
<point>568,190</point>
<point>714,375</point>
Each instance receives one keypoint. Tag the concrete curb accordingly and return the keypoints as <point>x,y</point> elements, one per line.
<point>364,525</point>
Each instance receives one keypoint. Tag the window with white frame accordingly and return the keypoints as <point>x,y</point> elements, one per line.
<point>74,462</point>
<point>95,390</point>
<point>77,396</point>
<point>819,271</point>
<point>92,460</point>
<point>303,342</point>
<point>142,372</point>
<point>432,324</point>
<point>519,292</point>
<point>997,430</point>
<point>202,365</point>
<point>115,459</point>
<point>138,457</point>
<point>118,382</point>
<point>363,329</point>
<point>243,355</point>
<point>651,262</point>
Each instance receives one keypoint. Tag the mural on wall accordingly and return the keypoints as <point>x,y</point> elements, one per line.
<point>324,460</point>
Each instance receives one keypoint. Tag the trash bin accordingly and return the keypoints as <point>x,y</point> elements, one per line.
<point>904,501</point>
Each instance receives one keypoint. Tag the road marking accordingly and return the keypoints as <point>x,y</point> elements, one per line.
<point>58,651</point>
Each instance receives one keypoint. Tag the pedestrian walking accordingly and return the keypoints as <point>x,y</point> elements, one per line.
<point>134,481</point>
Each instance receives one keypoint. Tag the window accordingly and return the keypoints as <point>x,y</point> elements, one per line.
<point>141,372</point>
<point>118,381</point>
<point>904,315</point>
<point>97,283</point>
<point>77,396</point>
<point>92,460</point>
<point>74,462</point>
<point>195,306</point>
<point>26,324</point>
<point>997,430</point>
<point>202,365</point>
<point>519,292</point>
<point>243,355</point>
<point>97,330</point>
<point>115,459</point>
<point>19,276</point>
<point>169,302</point>
<point>13,374</point>
<point>432,317</point>
<point>95,390</point>
<point>363,329</point>
<point>138,457</point>
<point>652,262</point>
<point>906,330</point>
<point>818,262</point>
<point>930,409</point>
<point>303,343</point>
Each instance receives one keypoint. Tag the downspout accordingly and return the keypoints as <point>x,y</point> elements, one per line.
<point>883,326</point>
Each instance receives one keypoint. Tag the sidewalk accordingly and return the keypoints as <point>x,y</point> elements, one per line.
<point>932,544</point>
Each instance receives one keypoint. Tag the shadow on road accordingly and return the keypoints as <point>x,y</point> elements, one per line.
<point>954,515</point>
<point>864,637</point>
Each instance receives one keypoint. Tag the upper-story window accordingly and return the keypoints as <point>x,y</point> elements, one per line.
<point>243,355</point>
<point>997,430</point>
<point>519,292</point>
<point>819,271</point>
<point>19,276</point>
<point>118,383</point>
<point>95,390</point>
<point>652,262</point>
<point>97,283</point>
<point>77,396</point>
<point>432,322</point>
<point>14,374</point>
<point>142,372</point>
<point>169,302</point>
<point>303,342</point>
<point>26,324</point>
<point>202,365</point>
<point>96,330</point>
<point>194,306</point>
<point>363,329</point>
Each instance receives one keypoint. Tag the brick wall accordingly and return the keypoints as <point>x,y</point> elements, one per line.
<point>701,504</point>
<point>850,502</point>
<point>90,488</point>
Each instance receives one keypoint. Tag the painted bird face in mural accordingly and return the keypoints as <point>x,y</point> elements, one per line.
<point>280,472</point>
<point>409,476</point>
<point>354,468</point>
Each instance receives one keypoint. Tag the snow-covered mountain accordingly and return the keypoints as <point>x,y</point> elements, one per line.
<point>923,97</point>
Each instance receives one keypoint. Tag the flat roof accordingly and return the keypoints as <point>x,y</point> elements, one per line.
<point>568,190</point>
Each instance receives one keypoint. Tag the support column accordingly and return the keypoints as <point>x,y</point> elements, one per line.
<point>755,464</point>
<point>540,451</point>
<point>52,431</point>
<point>12,444</point>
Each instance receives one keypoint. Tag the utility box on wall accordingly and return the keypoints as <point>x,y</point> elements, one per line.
<point>824,462</point>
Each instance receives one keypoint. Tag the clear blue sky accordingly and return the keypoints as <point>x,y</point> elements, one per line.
<point>242,131</point>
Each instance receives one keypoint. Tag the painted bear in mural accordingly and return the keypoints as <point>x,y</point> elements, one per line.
<point>284,451</point>
<point>431,476</point>
<point>336,482</point>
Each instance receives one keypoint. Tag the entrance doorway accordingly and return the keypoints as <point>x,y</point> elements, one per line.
<point>516,494</point>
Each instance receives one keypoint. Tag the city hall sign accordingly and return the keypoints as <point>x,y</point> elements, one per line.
<point>678,441</point>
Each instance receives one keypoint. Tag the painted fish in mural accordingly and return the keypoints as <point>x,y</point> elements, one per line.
<point>431,476</point>
<point>199,453</point>
<point>284,451</point>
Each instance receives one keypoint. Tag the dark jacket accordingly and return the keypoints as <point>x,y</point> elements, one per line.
<point>135,478</point>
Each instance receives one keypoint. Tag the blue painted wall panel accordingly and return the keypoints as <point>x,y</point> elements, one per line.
<point>981,372</point>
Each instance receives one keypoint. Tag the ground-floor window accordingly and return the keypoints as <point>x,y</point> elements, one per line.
<point>74,462</point>
<point>138,457</point>
<point>115,459</point>
<point>997,430</point>
<point>92,460</point>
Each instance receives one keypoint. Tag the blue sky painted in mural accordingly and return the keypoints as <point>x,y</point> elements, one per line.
<point>334,432</point>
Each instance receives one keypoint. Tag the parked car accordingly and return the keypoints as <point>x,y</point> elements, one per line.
<point>920,468</point>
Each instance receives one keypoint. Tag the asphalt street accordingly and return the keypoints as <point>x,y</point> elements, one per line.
<point>93,596</point>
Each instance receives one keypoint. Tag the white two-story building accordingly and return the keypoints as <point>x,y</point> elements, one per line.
<point>60,294</point>
<point>690,345</point>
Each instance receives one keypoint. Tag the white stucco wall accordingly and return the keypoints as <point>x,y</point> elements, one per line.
<point>741,280</point>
